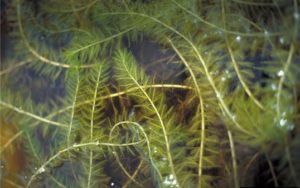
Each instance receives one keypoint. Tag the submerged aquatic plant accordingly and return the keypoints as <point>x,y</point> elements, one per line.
<point>169,93</point>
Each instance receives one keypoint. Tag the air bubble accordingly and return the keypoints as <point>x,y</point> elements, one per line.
<point>219,95</point>
<point>112,184</point>
<point>281,40</point>
<point>280,73</point>
<point>282,122</point>
<point>41,170</point>
<point>266,33</point>
<point>170,181</point>
<point>238,38</point>
<point>296,15</point>
<point>131,113</point>
<point>291,126</point>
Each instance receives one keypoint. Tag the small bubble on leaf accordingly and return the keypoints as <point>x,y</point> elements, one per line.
<point>282,122</point>
<point>281,40</point>
<point>296,15</point>
<point>280,73</point>
<point>41,170</point>
<point>266,33</point>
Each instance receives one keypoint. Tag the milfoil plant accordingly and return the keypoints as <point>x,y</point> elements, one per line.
<point>152,93</point>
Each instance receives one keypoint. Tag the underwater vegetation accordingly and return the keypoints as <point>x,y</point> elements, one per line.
<point>150,93</point>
